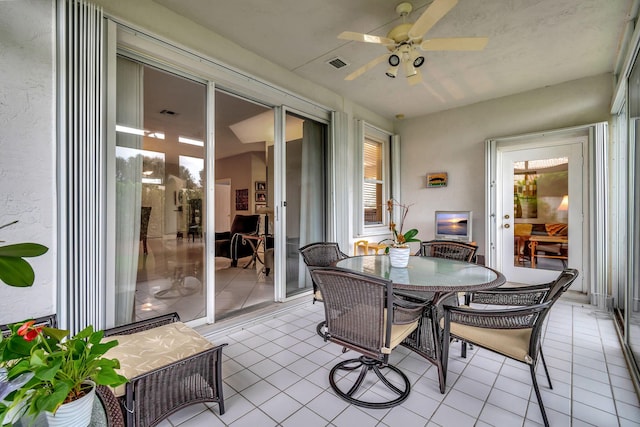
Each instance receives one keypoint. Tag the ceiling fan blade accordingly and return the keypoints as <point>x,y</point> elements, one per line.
<point>367,38</point>
<point>430,17</point>
<point>366,67</point>
<point>455,43</point>
<point>415,79</point>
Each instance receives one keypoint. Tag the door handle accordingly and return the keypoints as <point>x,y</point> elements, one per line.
<point>507,226</point>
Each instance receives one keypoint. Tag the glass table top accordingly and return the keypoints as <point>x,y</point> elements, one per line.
<point>427,273</point>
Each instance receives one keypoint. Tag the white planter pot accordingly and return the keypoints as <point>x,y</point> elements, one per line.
<point>399,257</point>
<point>74,414</point>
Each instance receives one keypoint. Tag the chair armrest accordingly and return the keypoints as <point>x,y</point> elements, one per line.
<point>407,311</point>
<point>225,235</point>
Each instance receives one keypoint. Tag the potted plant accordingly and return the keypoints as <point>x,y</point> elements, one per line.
<point>14,270</point>
<point>399,251</point>
<point>50,369</point>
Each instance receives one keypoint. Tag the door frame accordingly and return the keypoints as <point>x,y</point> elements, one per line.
<point>595,226</point>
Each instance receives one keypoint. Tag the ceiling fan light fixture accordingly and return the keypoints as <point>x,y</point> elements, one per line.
<point>418,61</point>
<point>394,60</point>
<point>392,72</point>
<point>409,69</point>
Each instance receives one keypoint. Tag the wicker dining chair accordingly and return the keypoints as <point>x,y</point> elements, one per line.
<point>449,249</point>
<point>320,254</point>
<point>511,295</point>
<point>512,332</point>
<point>362,315</point>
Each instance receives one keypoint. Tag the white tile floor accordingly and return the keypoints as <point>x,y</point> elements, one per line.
<point>276,374</point>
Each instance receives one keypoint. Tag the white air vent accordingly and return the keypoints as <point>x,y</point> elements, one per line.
<point>337,63</point>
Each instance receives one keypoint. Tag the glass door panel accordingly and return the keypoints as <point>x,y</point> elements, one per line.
<point>160,197</point>
<point>541,214</point>
<point>244,254</point>
<point>541,207</point>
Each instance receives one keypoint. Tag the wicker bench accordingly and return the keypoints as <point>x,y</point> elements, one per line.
<point>157,389</point>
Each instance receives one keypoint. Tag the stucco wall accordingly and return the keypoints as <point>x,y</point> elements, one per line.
<point>27,149</point>
<point>453,141</point>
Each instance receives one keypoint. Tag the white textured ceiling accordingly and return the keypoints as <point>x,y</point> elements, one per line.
<point>532,44</point>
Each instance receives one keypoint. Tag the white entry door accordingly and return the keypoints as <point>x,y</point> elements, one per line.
<point>540,211</point>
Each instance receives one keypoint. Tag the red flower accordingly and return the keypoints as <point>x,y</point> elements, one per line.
<point>28,332</point>
<point>33,333</point>
<point>22,330</point>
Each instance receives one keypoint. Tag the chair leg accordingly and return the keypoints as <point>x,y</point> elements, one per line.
<point>546,371</point>
<point>532,368</point>
<point>463,349</point>
<point>365,365</point>
<point>320,329</point>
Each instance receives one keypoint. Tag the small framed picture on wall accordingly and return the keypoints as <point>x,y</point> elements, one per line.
<point>261,196</point>
<point>261,186</point>
<point>242,199</point>
<point>437,179</point>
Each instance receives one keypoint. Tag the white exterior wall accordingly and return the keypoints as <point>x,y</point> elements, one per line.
<point>453,141</point>
<point>27,149</point>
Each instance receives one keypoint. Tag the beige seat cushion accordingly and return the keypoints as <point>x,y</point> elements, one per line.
<point>154,348</point>
<point>513,343</point>
<point>399,333</point>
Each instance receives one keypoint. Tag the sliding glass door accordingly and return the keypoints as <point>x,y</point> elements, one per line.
<point>268,197</point>
<point>160,198</point>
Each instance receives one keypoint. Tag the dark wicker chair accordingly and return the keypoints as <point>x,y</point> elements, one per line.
<point>508,295</point>
<point>362,316</point>
<point>449,249</point>
<point>153,396</point>
<point>320,254</point>
<point>512,332</point>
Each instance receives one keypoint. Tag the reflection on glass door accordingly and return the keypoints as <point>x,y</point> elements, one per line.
<point>541,214</point>
<point>244,250</point>
<point>541,208</point>
<point>160,197</point>
<point>305,195</point>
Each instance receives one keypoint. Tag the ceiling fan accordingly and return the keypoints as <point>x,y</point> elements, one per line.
<point>406,40</point>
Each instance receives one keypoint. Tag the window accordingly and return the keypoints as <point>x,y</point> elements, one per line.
<point>372,188</point>
<point>375,178</point>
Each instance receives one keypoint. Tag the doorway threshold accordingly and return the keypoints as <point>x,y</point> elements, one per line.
<point>255,315</point>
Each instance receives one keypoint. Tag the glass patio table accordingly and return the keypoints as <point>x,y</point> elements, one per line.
<point>427,279</point>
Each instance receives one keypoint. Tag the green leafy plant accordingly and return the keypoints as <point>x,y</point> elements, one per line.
<point>52,367</point>
<point>400,238</point>
<point>14,270</point>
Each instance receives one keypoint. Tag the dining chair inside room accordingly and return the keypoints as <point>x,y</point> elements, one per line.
<point>362,315</point>
<point>320,254</point>
<point>511,332</point>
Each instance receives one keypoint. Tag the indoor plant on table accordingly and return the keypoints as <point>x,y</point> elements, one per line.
<point>51,369</point>
<point>399,251</point>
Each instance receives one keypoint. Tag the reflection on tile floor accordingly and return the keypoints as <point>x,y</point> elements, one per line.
<point>170,278</point>
<point>276,374</point>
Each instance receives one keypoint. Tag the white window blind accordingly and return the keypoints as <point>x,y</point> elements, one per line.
<point>372,190</point>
